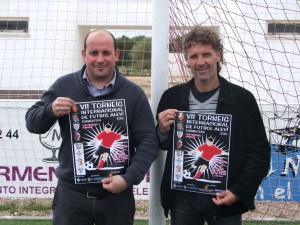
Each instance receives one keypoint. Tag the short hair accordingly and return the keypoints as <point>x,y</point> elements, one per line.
<point>203,35</point>
<point>108,126</point>
<point>95,31</point>
<point>210,139</point>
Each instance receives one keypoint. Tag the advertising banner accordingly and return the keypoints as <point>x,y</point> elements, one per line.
<point>28,161</point>
<point>282,182</point>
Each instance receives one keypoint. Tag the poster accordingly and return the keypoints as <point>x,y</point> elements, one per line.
<point>201,149</point>
<point>28,161</point>
<point>99,140</point>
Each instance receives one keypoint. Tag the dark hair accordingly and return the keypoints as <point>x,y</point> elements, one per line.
<point>210,139</point>
<point>95,31</point>
<point>203,35</point>
<point>108,126</point>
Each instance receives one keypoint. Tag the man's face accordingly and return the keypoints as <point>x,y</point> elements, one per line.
<point>202,60</point>
<point>107,129</point>
<point>208,142</point>
<point>100,57</point>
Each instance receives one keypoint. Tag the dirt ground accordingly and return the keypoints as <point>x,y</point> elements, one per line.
<point>144,83</point>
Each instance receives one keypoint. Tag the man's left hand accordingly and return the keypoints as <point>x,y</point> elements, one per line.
<point>114,184</point>
<point>225,198</point>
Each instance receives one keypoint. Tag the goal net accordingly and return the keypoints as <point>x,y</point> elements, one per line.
<point>261,50</point>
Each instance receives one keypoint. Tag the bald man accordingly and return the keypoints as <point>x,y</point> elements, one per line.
<point>110,202</point>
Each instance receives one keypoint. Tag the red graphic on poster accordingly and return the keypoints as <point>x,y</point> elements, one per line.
<point>107,139</point>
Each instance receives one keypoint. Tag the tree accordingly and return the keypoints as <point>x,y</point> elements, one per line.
<point>141,54</point>
<point>124,44</point>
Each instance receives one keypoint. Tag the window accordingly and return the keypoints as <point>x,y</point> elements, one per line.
<point>14,25</point>
<point>284,27</point>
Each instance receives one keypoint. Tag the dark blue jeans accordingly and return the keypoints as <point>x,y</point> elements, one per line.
<point>72,207</point>
<point>190,208</point>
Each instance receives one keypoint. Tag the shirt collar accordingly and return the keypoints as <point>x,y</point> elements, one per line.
<point>110,84</point>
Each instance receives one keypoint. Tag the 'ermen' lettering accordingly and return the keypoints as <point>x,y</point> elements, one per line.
<point>29,173</point>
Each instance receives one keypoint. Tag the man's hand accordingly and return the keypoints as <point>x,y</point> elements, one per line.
<point>225,198</point>
<point>166,119</point>
<point>114,184</point>
<point>62,106</point>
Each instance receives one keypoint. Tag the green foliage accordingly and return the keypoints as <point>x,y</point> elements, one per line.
<point>36,206</point>
<point>135,53</point>
<point>141,54</point>
<point>124,44</point>
<point>139,38</point>
<point>175,45</point>
<point>10,207</point>
<point>17,207</point>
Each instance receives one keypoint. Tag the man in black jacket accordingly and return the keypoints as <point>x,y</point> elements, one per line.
<point>86,194</point>
<point>249,152</point>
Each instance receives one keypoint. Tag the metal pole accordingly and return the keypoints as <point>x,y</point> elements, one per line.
<point>159,83</point>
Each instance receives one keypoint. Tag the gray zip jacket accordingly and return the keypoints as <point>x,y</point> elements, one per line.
<point>141,128</point>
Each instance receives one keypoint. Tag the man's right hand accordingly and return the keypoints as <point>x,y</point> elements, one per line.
<point>62,106</point>
<point>166,119</point>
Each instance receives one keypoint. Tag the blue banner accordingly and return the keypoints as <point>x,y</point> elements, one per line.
<point>282,182</point>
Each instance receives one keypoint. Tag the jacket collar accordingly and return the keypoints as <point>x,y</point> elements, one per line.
<point>183,101</point>
<point>226,93</point>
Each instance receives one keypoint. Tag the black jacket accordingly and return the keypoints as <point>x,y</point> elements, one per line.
<point>249,157</point>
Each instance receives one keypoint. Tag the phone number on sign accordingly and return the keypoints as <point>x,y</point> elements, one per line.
<point>10,134</point>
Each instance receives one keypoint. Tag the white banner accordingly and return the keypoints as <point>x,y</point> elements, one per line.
<point>28,161</point>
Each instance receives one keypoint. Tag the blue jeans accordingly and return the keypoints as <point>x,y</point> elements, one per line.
<point>72,207</point>
<point>190,208</point>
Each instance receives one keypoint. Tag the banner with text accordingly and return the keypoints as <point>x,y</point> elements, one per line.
<point>28,161</point>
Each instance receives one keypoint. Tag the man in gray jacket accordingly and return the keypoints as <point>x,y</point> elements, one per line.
<point>109,199</point>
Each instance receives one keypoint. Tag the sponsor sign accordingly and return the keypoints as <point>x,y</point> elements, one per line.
<point>28,161</point>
